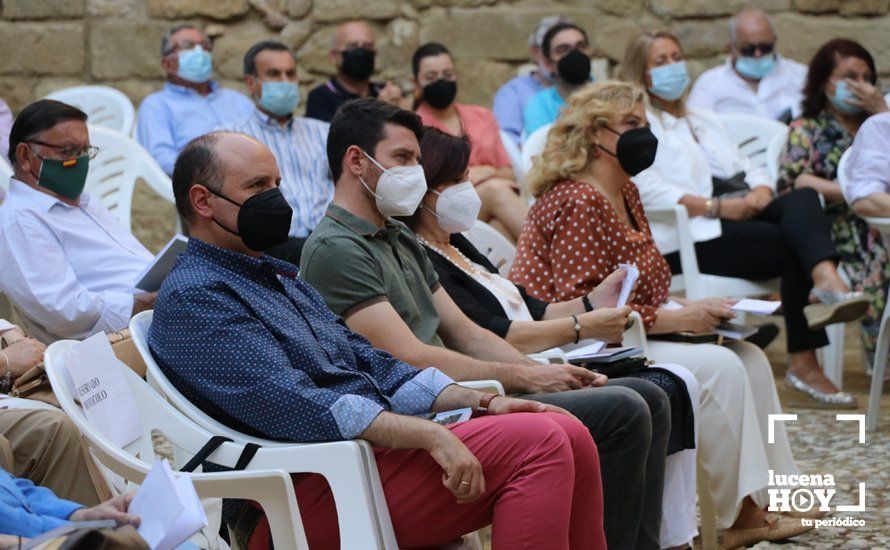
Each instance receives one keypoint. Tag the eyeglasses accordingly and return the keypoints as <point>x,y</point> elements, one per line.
<point>748,50</point>
<point>182,45</point>
<point>70,152</point>
<point>562,49</point>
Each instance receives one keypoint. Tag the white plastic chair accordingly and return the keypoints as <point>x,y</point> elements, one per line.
<point>5,174</point>
<point>534,146</point>
<point>752,134</point>
<point>515,156</point>
<point>113,173</point>
<point>348,466</point>
<point>493,245</point>
<point>270,486</point>
<point>773,153</point>
<point>104,106</point>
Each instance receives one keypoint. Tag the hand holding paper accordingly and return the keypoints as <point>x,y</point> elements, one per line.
<point>757,307</point>
<point>630,281</point>
<point>169,508</point>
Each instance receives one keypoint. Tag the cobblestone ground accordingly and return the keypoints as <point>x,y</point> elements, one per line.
<point>821,445</point>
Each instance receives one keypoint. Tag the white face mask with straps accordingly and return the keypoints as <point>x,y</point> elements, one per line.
<point>457,207</point>
<point>399,189</point>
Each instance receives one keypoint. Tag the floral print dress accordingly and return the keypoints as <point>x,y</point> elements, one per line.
<point>815,146</point>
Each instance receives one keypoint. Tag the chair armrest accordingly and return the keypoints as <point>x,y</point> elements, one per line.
<point>487,386</point>
<point>549,356</point>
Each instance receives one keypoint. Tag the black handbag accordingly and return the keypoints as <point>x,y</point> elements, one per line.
<point>734,186</point>
<point>622,367</point>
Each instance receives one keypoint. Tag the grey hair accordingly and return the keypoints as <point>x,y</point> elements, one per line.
<point>536,38</point>
<point>165,41</point>
<point>734,22</point>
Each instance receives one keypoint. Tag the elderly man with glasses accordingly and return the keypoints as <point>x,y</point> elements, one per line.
<point>65,262</point>
<point>755,79</point>
<point>191,103</point>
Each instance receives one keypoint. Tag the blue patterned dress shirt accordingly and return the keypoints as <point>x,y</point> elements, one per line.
<point>257,348</point>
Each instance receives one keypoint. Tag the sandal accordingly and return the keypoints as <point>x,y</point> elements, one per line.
<point>834,307</point>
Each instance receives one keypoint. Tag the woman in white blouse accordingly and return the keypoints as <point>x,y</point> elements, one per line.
<point>740,227</point>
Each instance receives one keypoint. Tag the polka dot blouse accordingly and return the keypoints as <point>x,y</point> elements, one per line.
<point>573,238</point>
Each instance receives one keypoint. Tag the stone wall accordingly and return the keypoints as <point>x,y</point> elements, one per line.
<point>51,44</point>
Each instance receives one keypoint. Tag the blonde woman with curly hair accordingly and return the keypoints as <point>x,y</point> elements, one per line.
<point>587,220</point>
<point>742,228</point>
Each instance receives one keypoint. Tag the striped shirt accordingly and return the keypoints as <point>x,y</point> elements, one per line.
<point>300,150</point>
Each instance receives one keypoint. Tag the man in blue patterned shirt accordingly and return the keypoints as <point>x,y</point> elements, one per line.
<point>257,348</point>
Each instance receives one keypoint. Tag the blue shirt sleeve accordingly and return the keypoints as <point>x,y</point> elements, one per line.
<point>508,111</point>
<point>44,512</point>
<point>154,131</point>
<point>242,369</point>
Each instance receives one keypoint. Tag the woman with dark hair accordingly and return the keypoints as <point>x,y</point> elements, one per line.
<point>840,93</point>
<point>435,88</point>
<point>531,325</point>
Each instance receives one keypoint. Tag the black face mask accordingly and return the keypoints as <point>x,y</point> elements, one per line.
<point>440,94</point>
<point>263,220</point>
<point>574,67</point>
<point>358,63</point>
<point>635,150</point>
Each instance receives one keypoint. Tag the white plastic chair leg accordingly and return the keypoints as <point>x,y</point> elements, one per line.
<point>833,354</point>
<point>877,373</point>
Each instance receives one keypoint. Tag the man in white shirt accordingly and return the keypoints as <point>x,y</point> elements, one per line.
<point>65,262</point>
<point>755,79</point>
<point>868,187</point>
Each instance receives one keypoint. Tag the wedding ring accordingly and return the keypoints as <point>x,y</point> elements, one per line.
<point>464,482</point>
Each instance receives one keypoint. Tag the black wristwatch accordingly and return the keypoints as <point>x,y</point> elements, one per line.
<point>588,307</point>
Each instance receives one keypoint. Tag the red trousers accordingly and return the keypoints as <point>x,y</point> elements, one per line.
<point>542,489</point>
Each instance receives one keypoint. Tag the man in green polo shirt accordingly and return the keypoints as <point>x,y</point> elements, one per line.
<point>373,272</point>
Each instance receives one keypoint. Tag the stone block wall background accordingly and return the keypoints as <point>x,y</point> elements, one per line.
<point>52,44</point>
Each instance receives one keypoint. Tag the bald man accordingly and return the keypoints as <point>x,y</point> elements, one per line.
<point>755,79</point>
<point>353,53</point>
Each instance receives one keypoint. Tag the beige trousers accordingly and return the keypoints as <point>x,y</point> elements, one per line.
<point>46,448</point>
<point>738,392</point>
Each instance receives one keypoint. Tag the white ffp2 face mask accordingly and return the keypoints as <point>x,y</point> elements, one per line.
<point>399,189</point>
<point>457,207</point>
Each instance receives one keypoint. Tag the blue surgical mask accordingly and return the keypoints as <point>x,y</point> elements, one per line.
<point>842,96</point>
<point>669,82</point>
<point>755,67</point>
<point>280,98</point>
<point>195,65</point>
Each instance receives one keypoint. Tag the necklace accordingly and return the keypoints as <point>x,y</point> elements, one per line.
<point>496,283</point>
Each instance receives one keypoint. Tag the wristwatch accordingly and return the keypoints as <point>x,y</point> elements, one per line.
<point>482,408</point>
<point>588,307</point>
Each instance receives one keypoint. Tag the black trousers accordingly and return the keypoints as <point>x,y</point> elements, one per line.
<point>289,251</point>
<point>630,421</point>
<point>787,239</point>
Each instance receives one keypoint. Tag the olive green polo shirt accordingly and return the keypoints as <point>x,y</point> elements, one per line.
<point>353,264</point>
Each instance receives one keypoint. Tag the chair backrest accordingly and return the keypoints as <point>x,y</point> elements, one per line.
<point>752,134</point>
<point>5,174</point>
<point>515,155</point>
<point>493,245</point>
<point>155,414</point>
<point>533,146</point>
<point>774,153</point>
<point>103,105</point>
<point>139,326</point>
<point>113,173</point>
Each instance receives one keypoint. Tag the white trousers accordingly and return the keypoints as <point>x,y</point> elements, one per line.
<point>737,393</point>
<point>679,524</point>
